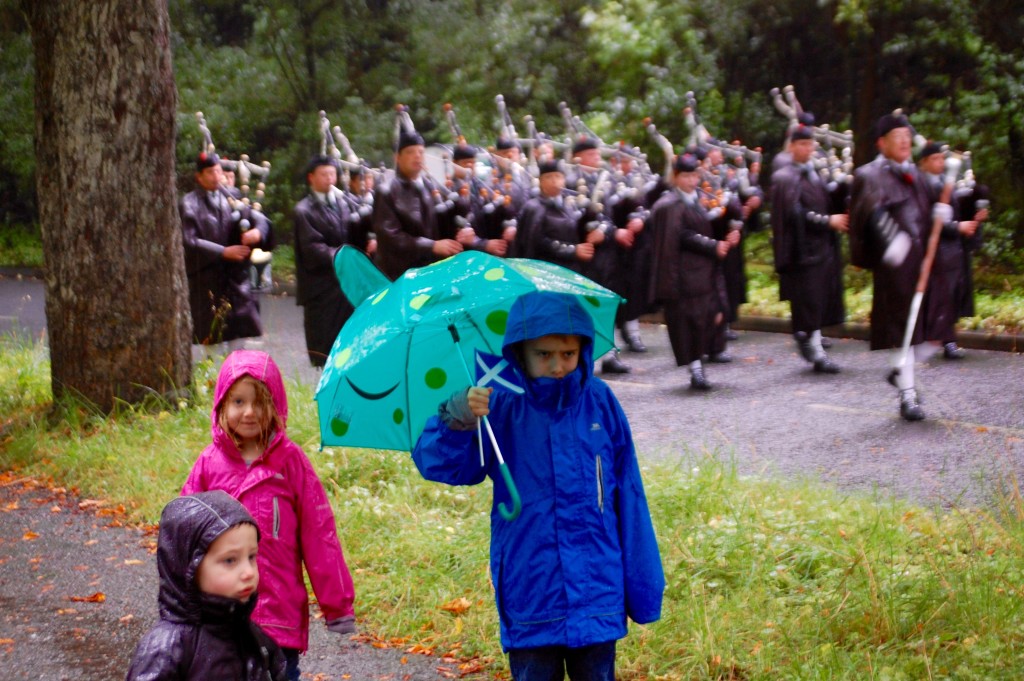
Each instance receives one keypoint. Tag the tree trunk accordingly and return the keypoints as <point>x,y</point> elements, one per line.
<point>116,294</point>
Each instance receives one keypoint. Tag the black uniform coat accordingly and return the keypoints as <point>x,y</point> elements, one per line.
<point>881,186</point>
<point>945,281</point>
<point>224,306</point>
<point>201,637</point>
<point>807,252</point>
<point>320,230</point>
<point>604,267</point>
<point>549,229</point>
<point>684,271</point>
<point>406,225</point>
<point>634,264</point>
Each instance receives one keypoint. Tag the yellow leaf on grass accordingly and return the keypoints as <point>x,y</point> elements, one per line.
<point>457,606</point>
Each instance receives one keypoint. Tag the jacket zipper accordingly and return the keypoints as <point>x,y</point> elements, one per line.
<point>600,485</point>
<point>277,518</point>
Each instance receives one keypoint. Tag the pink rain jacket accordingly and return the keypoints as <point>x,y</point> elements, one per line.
<point>283,493</point>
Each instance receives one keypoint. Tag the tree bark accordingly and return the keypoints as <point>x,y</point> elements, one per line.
<point>116,293</point>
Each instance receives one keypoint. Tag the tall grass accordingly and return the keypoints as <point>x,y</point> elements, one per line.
<point>766,579</point>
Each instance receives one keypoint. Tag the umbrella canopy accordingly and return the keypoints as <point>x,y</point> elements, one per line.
<point>396,360</point>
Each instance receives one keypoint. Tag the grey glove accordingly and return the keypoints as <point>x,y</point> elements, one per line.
<point>343,625</point>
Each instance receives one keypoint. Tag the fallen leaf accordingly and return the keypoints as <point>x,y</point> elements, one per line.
<point>87,504</point>
<point>457,606</point>
<point>97,597</point>
<point>29,536</point>
<point>13,506</point>
<point>126,619</point>
<point>982,429</point>
<point>133,561</point>
<point>6,641</point>
<point>92,541</point>
<point>66,611</point>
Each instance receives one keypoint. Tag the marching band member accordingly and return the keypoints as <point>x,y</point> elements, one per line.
<point>686,264</point>
<point>359,198</point>
<point>404,217</point>
<point>322,221</point>
<point>592,179</point>
<point>218,238</point>
<point>808,257</point>
<point>890,221</point>
<point>946,279</point>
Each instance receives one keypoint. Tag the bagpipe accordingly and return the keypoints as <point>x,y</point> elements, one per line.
<point>331,138</point>
<point>243,207</point>
<point>833,157</point>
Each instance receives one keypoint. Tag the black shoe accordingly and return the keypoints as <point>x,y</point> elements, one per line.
<point>826,343</point>
<point>910,408</point>
<point>698,381</point>
<point>803,342</point>
<point>614,365</point>
<point>635,344</point>
<point>826,366</point>
<point>953,351</point>
<point>891,378</point>
<point>720,358</point>
<point>731,335</point>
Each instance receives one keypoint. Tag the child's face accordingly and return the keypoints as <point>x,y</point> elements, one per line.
<point>243,413</point>
<point>229,566</point>
<point>551,356</point>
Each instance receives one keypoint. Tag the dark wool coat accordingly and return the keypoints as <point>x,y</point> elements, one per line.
<point>685,274</point>
<point>406,224</point>
<point>320,230</point>
<point>807,253</point>
<point>224,306</point>
<point>880,186</point>
<point>201,637</point>
<point>550,231</point>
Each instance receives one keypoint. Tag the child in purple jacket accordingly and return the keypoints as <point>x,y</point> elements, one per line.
<point>253,460</point>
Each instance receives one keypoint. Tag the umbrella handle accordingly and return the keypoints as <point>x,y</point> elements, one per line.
<point>506,475</point>
<point>517,503</point>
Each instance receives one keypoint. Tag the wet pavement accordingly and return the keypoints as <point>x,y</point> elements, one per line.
<point>769,413</point>
<point>78,590</point>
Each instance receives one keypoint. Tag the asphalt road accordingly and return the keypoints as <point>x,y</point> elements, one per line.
<point>768,412</point>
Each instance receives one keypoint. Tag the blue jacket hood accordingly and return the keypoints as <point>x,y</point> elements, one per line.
<point>545,313</point>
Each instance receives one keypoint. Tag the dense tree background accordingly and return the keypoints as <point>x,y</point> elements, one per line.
<point>261,69</point>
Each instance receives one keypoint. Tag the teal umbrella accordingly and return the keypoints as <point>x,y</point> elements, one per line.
<point>397,359</point>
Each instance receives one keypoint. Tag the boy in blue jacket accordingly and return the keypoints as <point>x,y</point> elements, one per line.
<point>582,556</point>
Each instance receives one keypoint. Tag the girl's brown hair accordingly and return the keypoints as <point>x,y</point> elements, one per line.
<point>270,420</point>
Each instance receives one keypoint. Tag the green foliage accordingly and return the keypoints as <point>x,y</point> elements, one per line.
<point>262,69</point>
<point>765,579</point>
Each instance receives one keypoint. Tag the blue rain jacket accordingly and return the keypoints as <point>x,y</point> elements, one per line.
<point>582,556</point>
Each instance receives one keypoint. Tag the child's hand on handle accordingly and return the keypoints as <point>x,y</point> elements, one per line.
<point>343,625</point>
<point>479,400</point>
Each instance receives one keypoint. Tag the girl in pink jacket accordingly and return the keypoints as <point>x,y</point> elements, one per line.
<point>253,460</point>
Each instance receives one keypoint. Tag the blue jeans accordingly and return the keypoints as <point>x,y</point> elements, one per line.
<point>551,663</point>
<point>291,660</point>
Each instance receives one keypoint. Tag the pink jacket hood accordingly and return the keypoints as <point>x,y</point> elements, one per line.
<point>260,366</point>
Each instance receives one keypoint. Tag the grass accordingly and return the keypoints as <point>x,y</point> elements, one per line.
<point>766,579</point>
